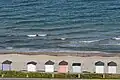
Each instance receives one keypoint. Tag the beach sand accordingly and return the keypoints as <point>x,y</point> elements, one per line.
<point>19,60</point>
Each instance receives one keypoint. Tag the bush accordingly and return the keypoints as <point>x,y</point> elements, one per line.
<point>13,74</point>
<point>91,76</point>
<point>112,76</point>
<point>85,72</point>
<point>72,76</point>
<point>39,75</point>
<point>60,75</point>
<point>66,76</point>
<point>19,74</point>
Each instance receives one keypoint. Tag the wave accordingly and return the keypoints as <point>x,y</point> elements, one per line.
<point>23,1</point>
<point>89,41</point>
<point>42,35</point>
<point>78,32</point>
<point>116,38</point>
<point>32,35</point>
<point>9,48</point>
<point>48,29</point>
<point>63,38</point>
<point>29,21</point>
<point>33,3</point>
<point>35,35</point>
<point>16,41</point>
<point>60,28</point>
<point>7,15</point>
<point>117,44</point>
<point>113,8</point>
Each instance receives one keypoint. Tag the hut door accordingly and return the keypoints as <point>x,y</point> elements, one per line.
<point>112,69</point>
<point>6,67</point>
<point>99,69</point>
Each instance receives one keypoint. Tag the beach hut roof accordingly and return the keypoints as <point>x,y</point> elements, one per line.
<point>6,62</point>
<point>76,64</point>
<point>32,62</point>
<point>112,63</point>
<point>49,63</point>
<point>63,63</point>
<point>99,63</point>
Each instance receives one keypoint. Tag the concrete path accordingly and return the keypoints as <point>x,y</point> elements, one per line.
<point>48,79</point>
<point>41,79</point>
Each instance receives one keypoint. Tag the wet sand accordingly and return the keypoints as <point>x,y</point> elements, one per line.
<point>73,53</point>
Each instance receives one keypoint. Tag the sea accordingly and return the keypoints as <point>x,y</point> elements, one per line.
<point>60,25</point>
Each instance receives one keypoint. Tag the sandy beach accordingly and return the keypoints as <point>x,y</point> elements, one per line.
<point>19,60</point>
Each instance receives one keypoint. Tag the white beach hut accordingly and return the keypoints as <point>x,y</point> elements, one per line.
<point>31,66</point>
<point>49,66</point>
<point>112,67</point>
<point>76,67</point>
<point>99,67</point>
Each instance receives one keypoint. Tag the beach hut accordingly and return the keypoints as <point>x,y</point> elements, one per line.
<point>112,67</point>
<point>31,66</point>
<point>99,67</point>
<point>6,65</point>
<point>63,67</point>
<point>49,66</point>
<point>76,67</point>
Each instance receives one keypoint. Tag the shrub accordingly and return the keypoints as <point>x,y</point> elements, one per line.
<point>39,75</point>
<point>60,75</point>
<point>72,76</point>
<point>112,76</point>
<point>91,76</point>
<point>19,74</point>
<point>13,74</point>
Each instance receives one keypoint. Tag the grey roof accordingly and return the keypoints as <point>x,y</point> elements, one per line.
<point>76,64</point>
<point>32,62</point>
<point>63,63</point>
<point>112,63</point>
<point>6,62</point>
<point>99,63</point>
<point>49,63</point>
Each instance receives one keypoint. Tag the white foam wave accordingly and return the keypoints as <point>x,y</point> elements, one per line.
<point>32,35</point>
<point>35,35</point>
<point>116,38</point>
<point>63,38</point>
<point>42,35</point>
<point>88,41</point>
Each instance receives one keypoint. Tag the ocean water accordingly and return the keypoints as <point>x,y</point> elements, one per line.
<point>61,25</point>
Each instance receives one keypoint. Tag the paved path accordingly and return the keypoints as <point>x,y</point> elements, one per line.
<point>39,79</point>
<point>48,79</point>
<point>33,79</point>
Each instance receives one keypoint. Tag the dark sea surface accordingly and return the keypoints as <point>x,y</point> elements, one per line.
<point>61,25</point>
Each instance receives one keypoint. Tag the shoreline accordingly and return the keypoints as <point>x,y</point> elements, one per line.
<point>80,53</point>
